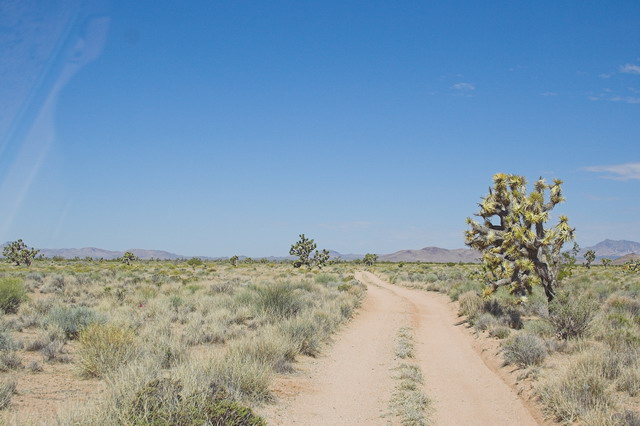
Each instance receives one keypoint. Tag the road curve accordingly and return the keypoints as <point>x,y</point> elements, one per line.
<point>351,384</point>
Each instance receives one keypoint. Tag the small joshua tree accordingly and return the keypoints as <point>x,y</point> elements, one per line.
<point>606,262</point>
<point>303,249</point>
<point>589,257</point>
<point>517,250</point>
<point>320,258</point>
<point>17,252</point>
<point>128,257</point>
<point>234,261</point>
<point>370,259</point>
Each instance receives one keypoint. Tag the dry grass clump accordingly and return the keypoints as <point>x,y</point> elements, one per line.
<point>408,401</point>
<point>7,390</point>
<point>524,350</point>
<point>105,347</point>
<point>404,344</point>
<point>578,393</point>
<point>408,404</point>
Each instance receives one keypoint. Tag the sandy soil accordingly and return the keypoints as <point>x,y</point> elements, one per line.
<point>352,383</point>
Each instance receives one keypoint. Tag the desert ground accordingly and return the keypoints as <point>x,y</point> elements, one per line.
<point>171,342</point>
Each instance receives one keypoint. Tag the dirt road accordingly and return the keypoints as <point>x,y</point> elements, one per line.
<point>352,384</point>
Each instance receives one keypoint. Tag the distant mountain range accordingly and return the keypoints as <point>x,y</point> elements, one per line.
<point>612,249</point>
<point>433,254</point>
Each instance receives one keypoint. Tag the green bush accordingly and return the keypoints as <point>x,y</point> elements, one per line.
<point>524,350</point>
<point>12,294</point>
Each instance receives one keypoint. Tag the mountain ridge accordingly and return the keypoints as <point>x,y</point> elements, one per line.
<point>613,249</point>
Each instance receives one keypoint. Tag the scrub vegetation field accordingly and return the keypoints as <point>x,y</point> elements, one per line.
<point>190,342</point>
<point>158,342</point>
<point>578,357</point>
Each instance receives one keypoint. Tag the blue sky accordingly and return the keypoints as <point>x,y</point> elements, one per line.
<point>220,128</point>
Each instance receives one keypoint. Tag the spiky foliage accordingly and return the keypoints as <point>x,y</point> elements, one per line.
<point>303,249</point>
<point>320,258</point>
<point>234,260</point>
<point>370,259</point>
<point>632,266</point>
<point>128,257</point>
<point>606,262</point>
<point>517,250</point>
<point>17,252</point>
<point>589,257</point>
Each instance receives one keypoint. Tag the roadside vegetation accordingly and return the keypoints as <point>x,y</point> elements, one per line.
<point>409,405</point>
<point>159,342</point>
<point>579,355</point>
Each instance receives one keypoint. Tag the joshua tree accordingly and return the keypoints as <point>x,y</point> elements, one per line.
<point>303,249</point>
<point>606,262</point>
<point>18,253</point>
<point>128,257</point>
<point>369,259</point>
<point>516,248</point>
<point>589,257</point>
<point>320,258</point>
<point>234,260</point>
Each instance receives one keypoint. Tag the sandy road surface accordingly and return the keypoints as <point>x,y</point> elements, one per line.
<point>352,384</point>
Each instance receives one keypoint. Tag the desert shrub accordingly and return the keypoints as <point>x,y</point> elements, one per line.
<point>627,418</point>
<point>623,304</point>
<point>629,381</point>
<point>105,347</point>
<point>55,284</point>
<point>524,349</point>
<point>269,348</point>
<point>12,294</point>
<point>7,390</point>
<point>460,287</point>
<point>470,304</point>
<point>72,319</point>
<point>571,316</point>
<point>54,351</point>
<point>304,332</point>
<point>162,402</point>
<point>241,377</point>
<point>35,367</point>
<point>223,287</point>
<point>277,300</point>
<point>324,278</point>
<point>576,394</point>
<point>9,360</point>
<point>485,322</point>
<point>540,327</point>
<point>7,343</point>
<point>500,332</point>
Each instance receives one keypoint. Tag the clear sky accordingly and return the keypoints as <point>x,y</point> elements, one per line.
<point>229,127</point>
